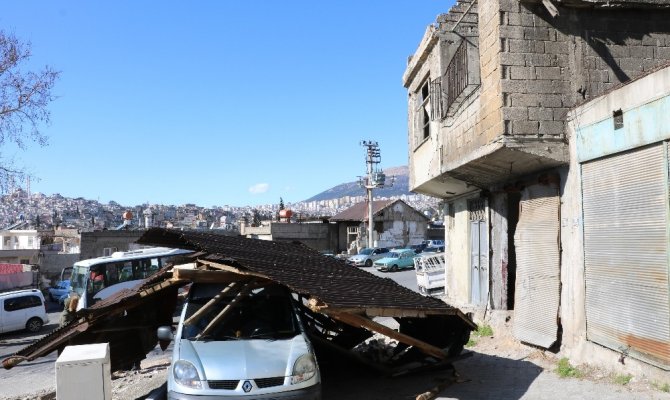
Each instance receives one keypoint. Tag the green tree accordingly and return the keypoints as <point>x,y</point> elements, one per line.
<point>24,97</point>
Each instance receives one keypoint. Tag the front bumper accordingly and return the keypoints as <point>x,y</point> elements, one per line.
<point>309,393</point>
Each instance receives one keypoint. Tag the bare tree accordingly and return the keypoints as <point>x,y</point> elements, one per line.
<point>24,97</point>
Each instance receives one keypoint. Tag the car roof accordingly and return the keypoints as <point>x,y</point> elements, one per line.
<point>20,292</point>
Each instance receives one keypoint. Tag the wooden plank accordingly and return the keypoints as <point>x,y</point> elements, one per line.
<point>214,300</point>
<point>198,275</point>
<point>360,321</point>
<point>348,353</point>
<point>240,295</point>
<point>230,268</point>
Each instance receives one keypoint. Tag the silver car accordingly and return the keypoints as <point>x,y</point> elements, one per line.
<point>253,347</point>
<point>367,256</point>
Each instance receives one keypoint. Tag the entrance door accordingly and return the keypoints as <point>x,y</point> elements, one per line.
<point>479,252</point>
<point>479,262</point>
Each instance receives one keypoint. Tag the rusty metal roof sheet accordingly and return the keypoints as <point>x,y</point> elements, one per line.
<point>302,269</point>
<point>99,314</point>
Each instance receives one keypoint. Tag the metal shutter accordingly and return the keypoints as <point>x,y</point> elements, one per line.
<point>537,292</point>
<point>625,253</point>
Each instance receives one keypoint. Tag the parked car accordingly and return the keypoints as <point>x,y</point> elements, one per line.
<point>433,243</point>
<point>367,256</point>
<point>418,248</point>
<point>22,309</point>
<point>62,288</point>
<point>435,249</point>
<point>396,260</point>
<point>254,347</point>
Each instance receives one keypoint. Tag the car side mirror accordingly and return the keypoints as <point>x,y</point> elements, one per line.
<point>165,333</point>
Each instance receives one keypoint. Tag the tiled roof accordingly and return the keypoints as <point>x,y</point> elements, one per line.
<point>302,269</point>
<point>359,211</point>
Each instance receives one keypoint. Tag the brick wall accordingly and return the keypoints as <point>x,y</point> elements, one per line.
<point>550,64</point>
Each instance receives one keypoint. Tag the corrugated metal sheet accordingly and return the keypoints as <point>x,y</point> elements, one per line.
<point>626,253</point>
<point>537,290</point>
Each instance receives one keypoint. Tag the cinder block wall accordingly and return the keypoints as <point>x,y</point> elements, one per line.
<point>548,65</point>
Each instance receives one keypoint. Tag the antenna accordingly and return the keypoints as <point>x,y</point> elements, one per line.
<point>374,179</point>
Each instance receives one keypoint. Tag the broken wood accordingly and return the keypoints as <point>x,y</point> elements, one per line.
<point>240,295</point>
<point>216,299</point>
<point>360,321</point>
<point>205,276</point>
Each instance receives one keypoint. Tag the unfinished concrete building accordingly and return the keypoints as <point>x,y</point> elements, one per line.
<point>489,90</point>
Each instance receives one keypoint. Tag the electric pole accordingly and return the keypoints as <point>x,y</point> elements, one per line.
<point>374,178</point>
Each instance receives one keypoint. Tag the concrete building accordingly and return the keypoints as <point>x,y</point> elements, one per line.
<point>19,246</point>
<point>396,224</point>
<point>490,87</point>
<point>104,243</point>
<point>318,235</point>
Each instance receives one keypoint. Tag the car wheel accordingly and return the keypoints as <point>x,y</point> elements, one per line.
<point>34,325</point>
<point>394,268</point>
<point>368,263</point>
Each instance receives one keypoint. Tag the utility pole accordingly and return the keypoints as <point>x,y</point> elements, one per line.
<point>374,178</point>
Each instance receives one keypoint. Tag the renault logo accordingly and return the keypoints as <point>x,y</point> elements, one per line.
<point>246,386</point>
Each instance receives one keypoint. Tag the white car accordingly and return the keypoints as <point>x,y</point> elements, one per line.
<point>254,348</point>
<point>22,309</point>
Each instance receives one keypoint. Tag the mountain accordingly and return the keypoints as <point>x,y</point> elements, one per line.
<point>400,187</point>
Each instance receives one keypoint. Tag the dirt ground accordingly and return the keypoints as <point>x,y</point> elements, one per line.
<point>498,368</point>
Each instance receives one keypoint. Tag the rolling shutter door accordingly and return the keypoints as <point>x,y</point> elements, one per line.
<point>625,253</point>
<point>537,291</point>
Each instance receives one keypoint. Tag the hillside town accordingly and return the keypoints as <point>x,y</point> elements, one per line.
<point>40,211</point>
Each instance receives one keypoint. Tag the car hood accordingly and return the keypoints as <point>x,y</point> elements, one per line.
<point>243,359</point>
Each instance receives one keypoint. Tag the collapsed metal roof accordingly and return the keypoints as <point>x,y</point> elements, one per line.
<point>338,301</point>
<point>330,283</point>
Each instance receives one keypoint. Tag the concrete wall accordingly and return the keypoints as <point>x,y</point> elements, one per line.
<point>319,236</point>
<point>51,265</point>
<point>94,243</point>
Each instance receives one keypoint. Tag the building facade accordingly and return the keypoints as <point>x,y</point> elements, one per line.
<point>490,87</point>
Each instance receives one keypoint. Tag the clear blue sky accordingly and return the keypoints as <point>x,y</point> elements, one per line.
<point>218,102</point>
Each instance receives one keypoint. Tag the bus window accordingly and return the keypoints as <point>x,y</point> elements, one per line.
<point>143,269</point>
<point>155,265</point>
<point>96,282</point>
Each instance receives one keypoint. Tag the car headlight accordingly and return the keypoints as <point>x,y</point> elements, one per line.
<point>185,374</point>
<point>303,369</point>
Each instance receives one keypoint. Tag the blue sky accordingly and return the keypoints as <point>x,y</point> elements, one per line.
<point>217,102</point>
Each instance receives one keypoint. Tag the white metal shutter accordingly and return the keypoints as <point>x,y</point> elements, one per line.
<point>625,253</point>
<point>537,291</point>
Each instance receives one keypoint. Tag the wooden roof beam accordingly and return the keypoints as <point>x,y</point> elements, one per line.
<point>360,321</point>
<point>211,303</point>
<point>244,292</point>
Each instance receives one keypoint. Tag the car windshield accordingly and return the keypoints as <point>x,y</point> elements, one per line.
<point>266,313</point>
<point>365,252</point>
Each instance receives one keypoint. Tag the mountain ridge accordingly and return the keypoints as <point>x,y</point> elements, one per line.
<point>400,187</point>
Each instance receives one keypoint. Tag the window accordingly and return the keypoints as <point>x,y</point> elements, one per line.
<point>30,242</point>
<point>107,251</point>
<point>460,78</point>
<point>22,302</point>
<point>424,110</point>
